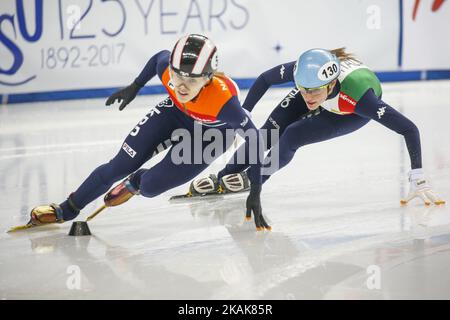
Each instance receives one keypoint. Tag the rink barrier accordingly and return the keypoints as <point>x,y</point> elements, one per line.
<point>243,83</point>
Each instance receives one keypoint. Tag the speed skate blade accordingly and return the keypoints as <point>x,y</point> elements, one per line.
<point>189,196</point>
<point>23,227</point>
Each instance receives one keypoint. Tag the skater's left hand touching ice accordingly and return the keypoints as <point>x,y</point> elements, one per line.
<point>254,205</point>
<point>419,188</point>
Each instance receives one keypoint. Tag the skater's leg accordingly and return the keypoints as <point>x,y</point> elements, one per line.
<point>150,136</point>
<point>320,127</point>
<point>170,173</point>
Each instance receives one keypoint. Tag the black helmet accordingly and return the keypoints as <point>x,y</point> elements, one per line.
<point>194,56</point>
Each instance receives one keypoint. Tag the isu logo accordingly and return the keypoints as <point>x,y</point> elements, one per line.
<point>282,71</point>
<point>222,85</point>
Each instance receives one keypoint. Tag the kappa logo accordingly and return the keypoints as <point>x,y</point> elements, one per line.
<point>380,112</point>
<point>129,150</point>
<point>282,71</point>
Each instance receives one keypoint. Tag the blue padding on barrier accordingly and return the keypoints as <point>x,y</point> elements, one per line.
<point>438,74</point>
<point>243,83</point>
<point>391,76</point>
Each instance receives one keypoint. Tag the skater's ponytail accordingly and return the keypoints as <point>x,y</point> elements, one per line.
<point>219,74</point>
<point>342,55</point>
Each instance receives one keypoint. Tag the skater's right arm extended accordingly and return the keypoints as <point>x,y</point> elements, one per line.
<point>155,66</point>
<point>278,75</point>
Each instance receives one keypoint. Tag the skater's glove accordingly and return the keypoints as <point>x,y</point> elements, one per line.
<point>254,205</point>
<point>419,188</point>
<point>126,95</point>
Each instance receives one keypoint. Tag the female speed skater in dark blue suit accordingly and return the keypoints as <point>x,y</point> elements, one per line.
<point>335,94</point>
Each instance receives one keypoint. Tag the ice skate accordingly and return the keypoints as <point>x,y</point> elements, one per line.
<point>42,215</point>
<point>211,186</point>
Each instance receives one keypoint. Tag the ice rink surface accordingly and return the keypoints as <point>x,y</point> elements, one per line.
<point>339,231</point>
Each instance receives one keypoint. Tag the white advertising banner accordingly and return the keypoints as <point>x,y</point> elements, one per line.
<point>54,45</point>
<point>426,40</point>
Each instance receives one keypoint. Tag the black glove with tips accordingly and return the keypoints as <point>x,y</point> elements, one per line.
<point>125,95</point>
<point>254,205</point>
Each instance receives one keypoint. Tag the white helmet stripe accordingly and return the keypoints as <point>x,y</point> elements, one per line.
<point>203,57</point>
<point>178,52</point>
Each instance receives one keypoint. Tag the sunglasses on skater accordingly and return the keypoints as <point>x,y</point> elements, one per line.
<point>312,91</point>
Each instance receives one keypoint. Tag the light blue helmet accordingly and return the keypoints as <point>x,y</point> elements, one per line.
<point>316,68</point>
